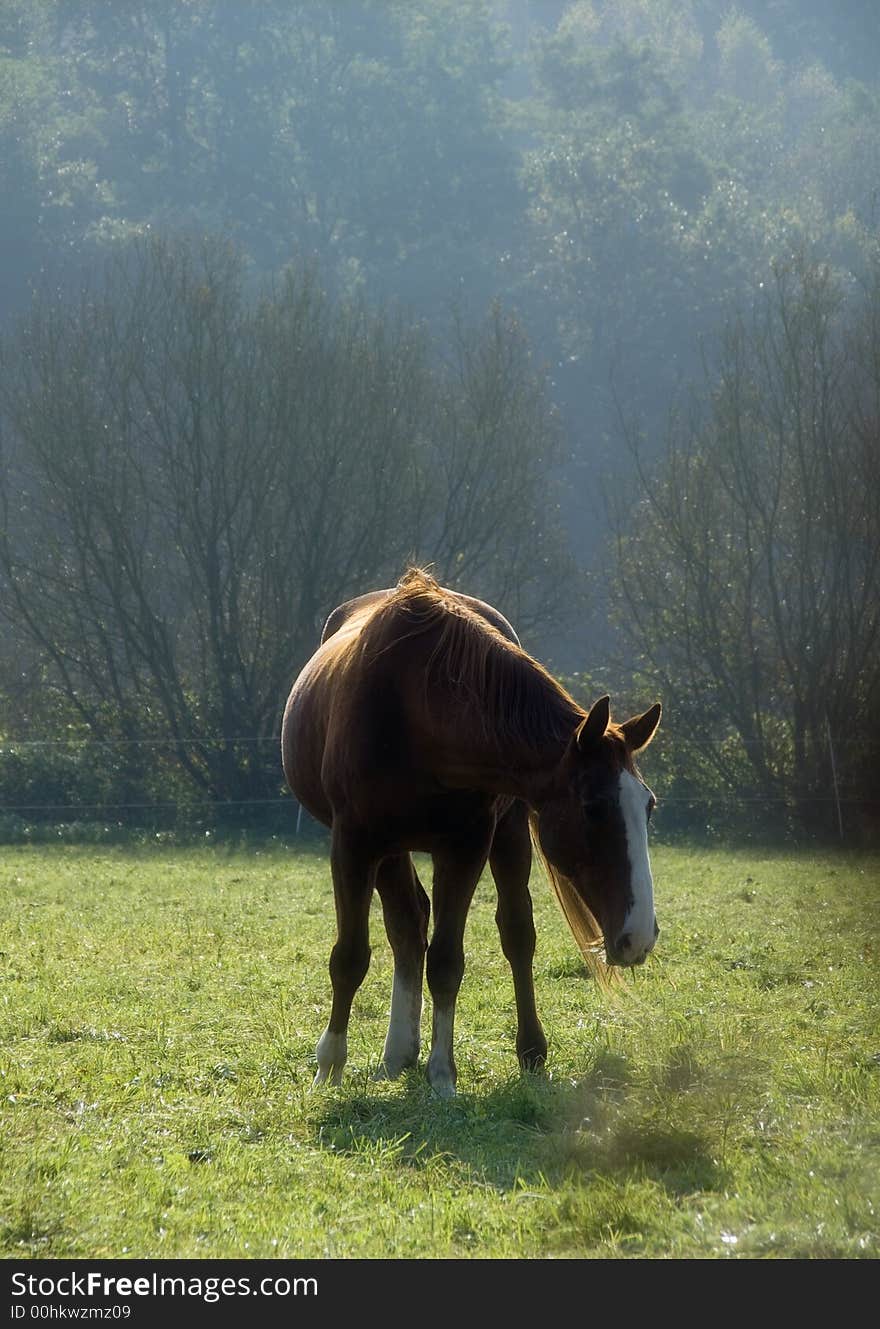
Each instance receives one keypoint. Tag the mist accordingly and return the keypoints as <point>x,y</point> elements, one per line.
<point>619,188</point>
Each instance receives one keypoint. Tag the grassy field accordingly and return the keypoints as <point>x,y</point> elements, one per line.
<point>158,1016</point>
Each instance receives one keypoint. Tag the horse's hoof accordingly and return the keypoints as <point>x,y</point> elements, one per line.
<point>332,1052</point>
<point>442,1082</point>
<point>385,1072</point>
<point>392,1068</point>
<point>331,1075</point>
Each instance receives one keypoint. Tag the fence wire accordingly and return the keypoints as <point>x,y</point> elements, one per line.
<point>188,806</point>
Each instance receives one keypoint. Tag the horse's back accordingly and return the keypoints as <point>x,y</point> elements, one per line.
<point>350,609</point>
<point>338,714</point>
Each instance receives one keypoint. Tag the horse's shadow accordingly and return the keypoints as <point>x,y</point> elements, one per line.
<point>530,1130</point>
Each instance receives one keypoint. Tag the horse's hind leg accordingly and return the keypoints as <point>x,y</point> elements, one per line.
<point>456,872</point>
<point>353,877</point>
<point>510,860</point>
<point>406,908</point>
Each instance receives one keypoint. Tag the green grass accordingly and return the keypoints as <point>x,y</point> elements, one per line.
<point>158,1016</point>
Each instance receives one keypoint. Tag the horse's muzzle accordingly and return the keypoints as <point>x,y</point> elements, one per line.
<point>625,953</point>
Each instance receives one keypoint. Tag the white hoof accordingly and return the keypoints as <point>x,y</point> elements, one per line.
<point>332,1076</point>
<point>332,1054</point>
<point>389,1069</point>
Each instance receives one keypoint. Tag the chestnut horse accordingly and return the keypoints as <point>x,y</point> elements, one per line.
<point>421,724</point>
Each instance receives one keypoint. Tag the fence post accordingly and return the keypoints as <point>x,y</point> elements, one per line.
<point>834,775</point>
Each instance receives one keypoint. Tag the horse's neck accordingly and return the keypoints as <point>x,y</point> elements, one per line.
<point>505,751</point>
<point>528,779</point>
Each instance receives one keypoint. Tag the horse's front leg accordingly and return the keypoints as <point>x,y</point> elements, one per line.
<point>354,872</point>
<point>456,873</point>
<point>510,859</point>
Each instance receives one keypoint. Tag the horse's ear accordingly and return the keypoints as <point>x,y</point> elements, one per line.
<point>592,729</point>
<point>639,731</point>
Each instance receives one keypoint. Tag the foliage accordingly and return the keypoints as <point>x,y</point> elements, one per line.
<point>194,479</point>
<point>674,159</point>
<point>298,129</point>
<point>748,573</point>
<point>626,173</point>
<point>649,154</point>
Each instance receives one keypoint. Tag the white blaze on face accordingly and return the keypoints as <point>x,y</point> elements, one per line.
<point>639,921</point>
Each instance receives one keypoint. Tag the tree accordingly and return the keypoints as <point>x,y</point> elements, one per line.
<point>748,572</point>
<point>365,135</point>
<point>48,135</point>
<point>674,158</point>
<point>194,478</point>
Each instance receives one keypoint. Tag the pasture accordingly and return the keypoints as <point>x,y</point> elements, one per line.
<point>159,1010</point>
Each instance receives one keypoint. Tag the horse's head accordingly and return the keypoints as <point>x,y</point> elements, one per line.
<point>593,829</point>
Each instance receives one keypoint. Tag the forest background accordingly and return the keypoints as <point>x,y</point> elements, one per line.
<point>577,302</point>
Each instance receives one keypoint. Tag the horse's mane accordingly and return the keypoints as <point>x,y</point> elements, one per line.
<point>580,918</point>
<point>503,691</point>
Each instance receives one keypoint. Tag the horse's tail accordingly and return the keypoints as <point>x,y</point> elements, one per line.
<point>579,917</point>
